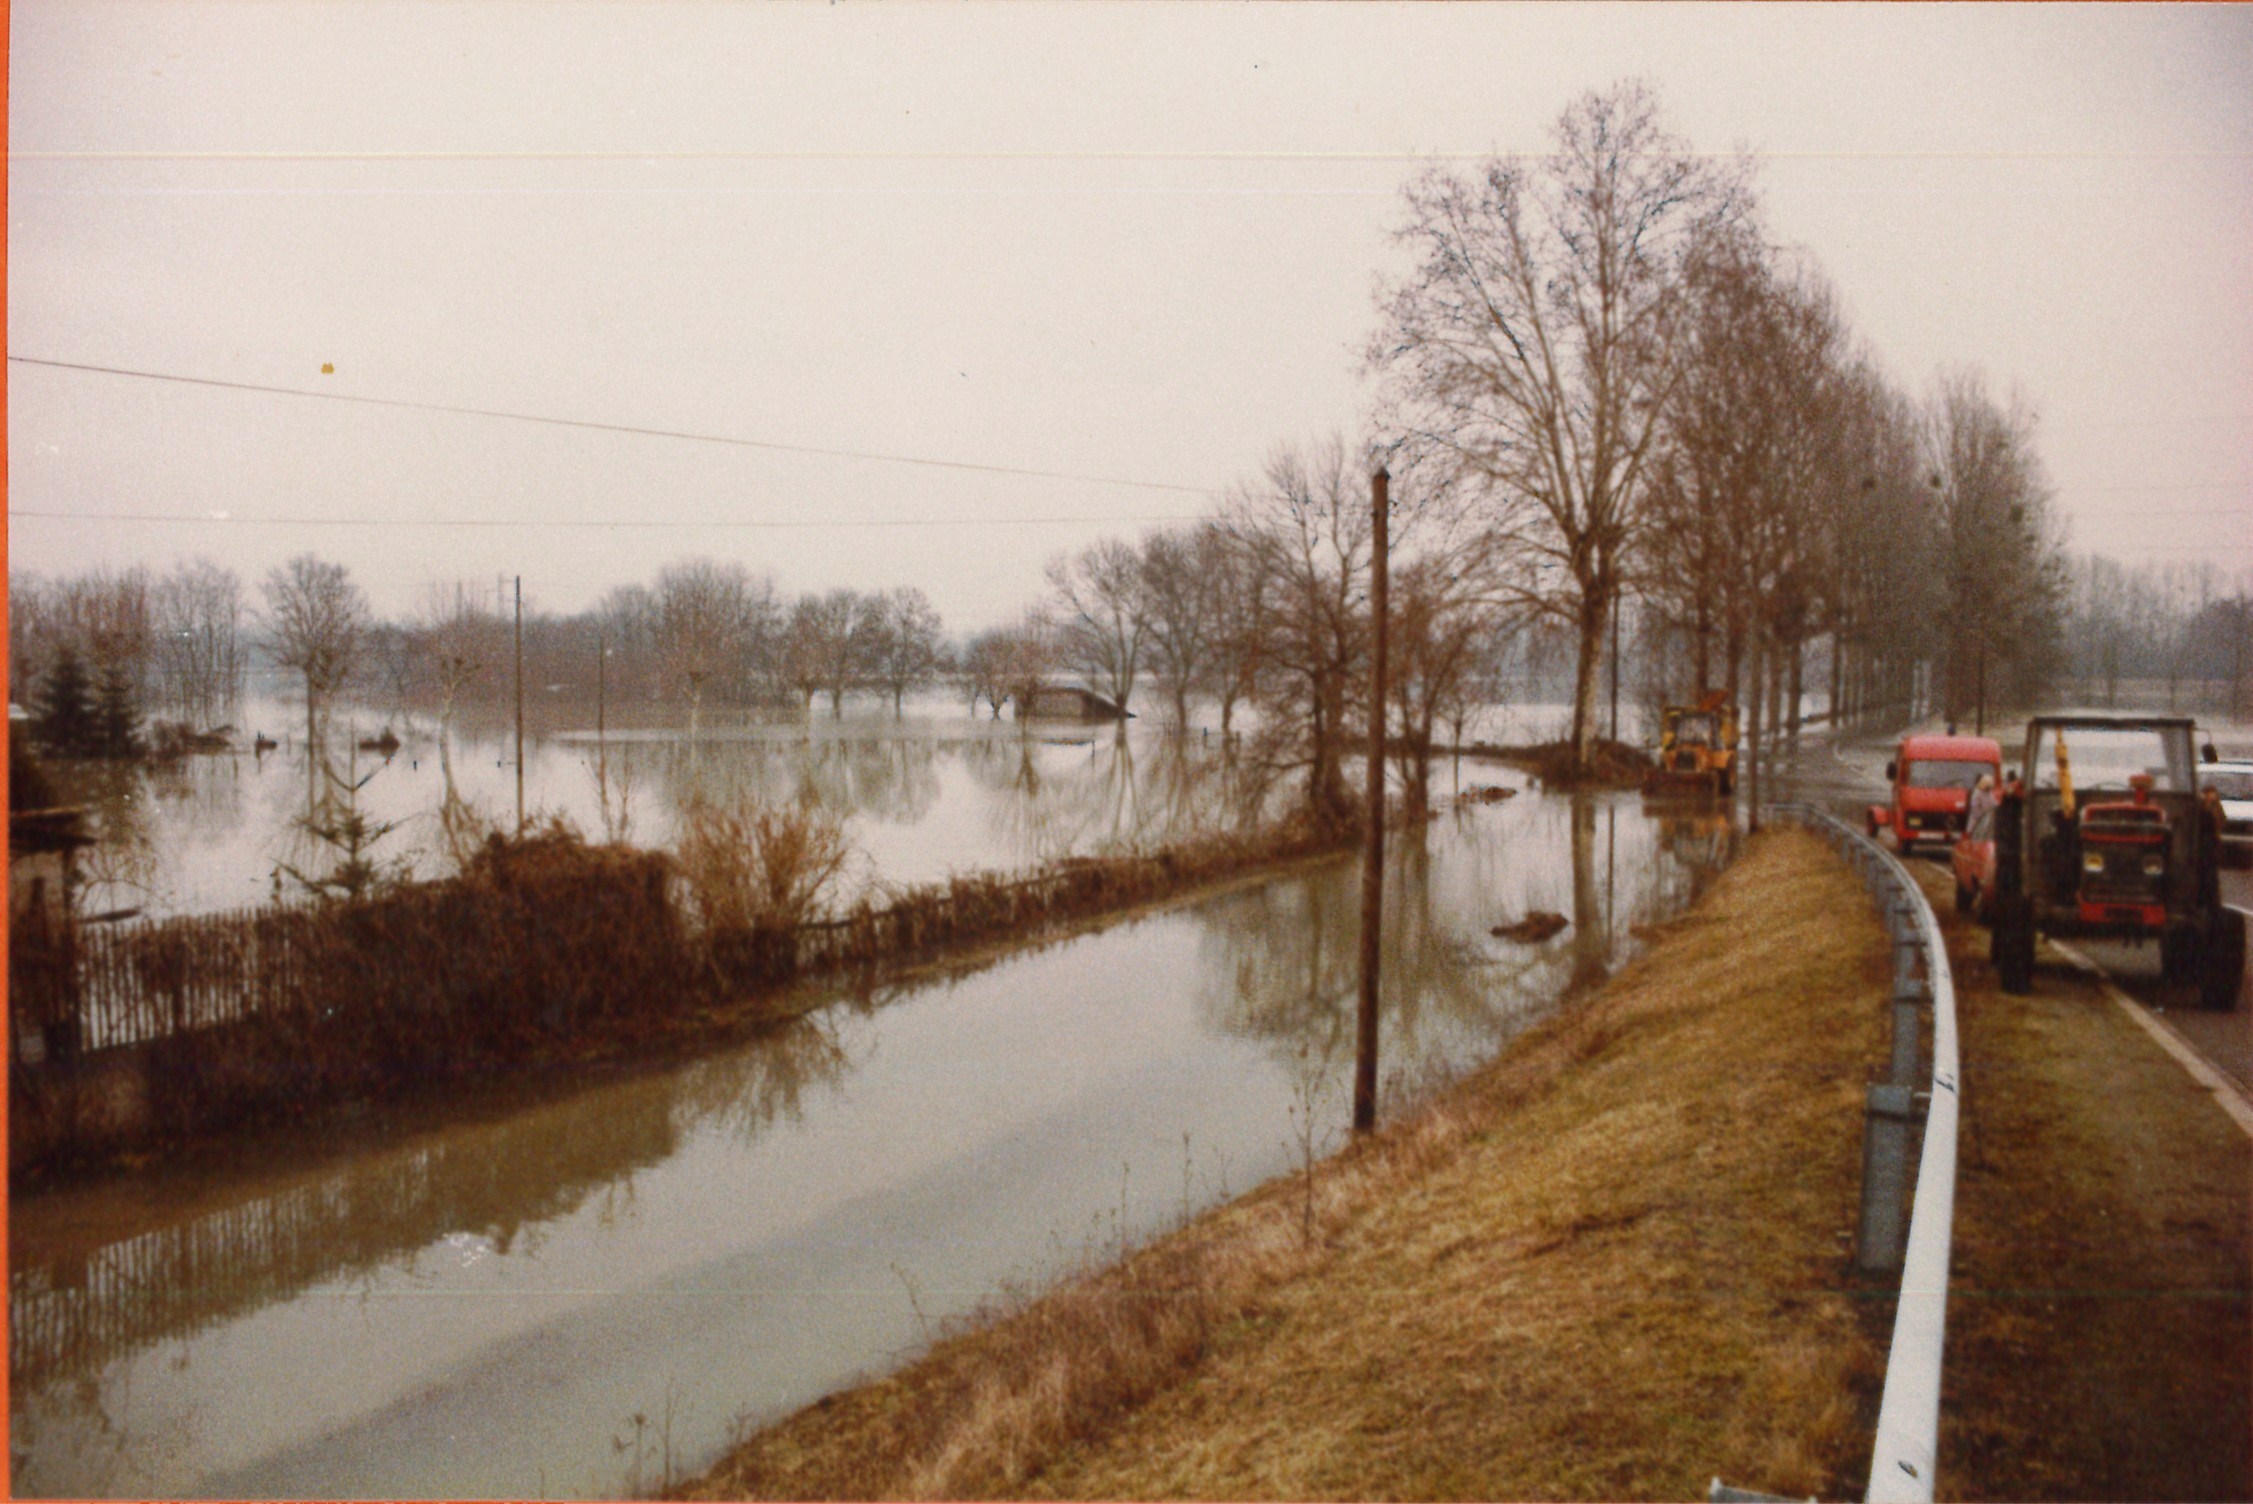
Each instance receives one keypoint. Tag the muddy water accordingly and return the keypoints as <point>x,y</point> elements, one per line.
<point>570,1295</point>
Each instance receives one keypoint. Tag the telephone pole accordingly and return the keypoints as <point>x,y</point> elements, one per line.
<point>1618,601</point>
<point>1373,846</point>
<point>520,705</point>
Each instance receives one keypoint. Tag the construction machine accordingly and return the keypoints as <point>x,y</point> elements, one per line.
<point>1697,749</point>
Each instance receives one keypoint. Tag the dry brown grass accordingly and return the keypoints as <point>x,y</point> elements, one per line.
<point>1611,1265</point>
<point>2100,1326</point>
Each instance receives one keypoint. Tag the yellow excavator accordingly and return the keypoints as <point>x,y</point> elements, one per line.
<point>1697,749</point>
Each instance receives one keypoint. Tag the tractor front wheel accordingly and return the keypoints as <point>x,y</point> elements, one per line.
<point>2219,978</point>
<point>2011,947</point>
<point>2178,953</point>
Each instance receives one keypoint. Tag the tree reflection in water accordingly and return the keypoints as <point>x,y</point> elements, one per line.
<point>1287,968</point>
<point>1284,957</point>
<point>79,1307</point>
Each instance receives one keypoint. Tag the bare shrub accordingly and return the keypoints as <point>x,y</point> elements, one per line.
<point>753,873</point>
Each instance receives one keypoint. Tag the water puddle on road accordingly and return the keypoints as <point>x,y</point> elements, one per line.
<point>573,1296</point>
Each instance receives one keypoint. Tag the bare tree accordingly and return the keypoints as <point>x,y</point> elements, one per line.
<point>1241,609</point>
<point>458,640</point>
<point>705,622</point>
<point>1185,575</point>
<point>317,618</point>
<point>831,643</point>
<point>626,620</point>
<point>1101,616</point>
<point>198,611</point>
<point>903,642</point>
<point>1445,616</point>
<point>1530,353</point>
<point>1304,528</point>
<point>2001,559</point>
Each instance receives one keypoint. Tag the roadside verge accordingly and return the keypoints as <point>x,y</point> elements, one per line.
<point>2100,1323</point>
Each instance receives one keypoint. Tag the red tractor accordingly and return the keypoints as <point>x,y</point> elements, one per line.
<point>2108,837</point>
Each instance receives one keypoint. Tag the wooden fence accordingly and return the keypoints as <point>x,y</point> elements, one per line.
<point>152,981</point>
<point>164,1029</point>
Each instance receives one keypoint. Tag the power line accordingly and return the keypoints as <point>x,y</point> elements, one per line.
<point>2188,485</point>
<point>636,523</point>
<point>1116,154</point>
<point>778,446</point>
<point>2149,513</point>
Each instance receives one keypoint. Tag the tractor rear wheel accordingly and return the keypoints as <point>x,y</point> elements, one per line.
<point>2011,947</point>
<point>2225,962</point>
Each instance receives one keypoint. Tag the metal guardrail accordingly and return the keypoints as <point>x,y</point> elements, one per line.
<point>1902,1463</point>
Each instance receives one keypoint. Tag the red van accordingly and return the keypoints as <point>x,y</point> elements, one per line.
<point>1932,778</point>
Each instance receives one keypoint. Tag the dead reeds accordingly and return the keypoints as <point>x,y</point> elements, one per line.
<point>753,875</point>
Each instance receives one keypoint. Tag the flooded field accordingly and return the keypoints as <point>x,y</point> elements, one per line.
<point>925,793</point>
<point>931,792</point>
<point>574,1292</point>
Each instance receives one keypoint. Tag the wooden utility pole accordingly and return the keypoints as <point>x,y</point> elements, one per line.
<point>520,705</point>
<point>602,666</point>
<point>1617,602</point>
<point>1373,845</point>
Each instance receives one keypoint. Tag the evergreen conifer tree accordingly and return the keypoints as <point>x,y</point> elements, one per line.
<point>65,707</point>
<point>117,716</point>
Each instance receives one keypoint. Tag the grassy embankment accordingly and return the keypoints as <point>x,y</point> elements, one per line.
<point>2100,1323</point>
<point>1611,1265</point>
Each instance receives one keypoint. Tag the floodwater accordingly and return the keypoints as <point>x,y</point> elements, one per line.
<point>934,790</point>
<point>577,1292</point>
<point>923,794</point>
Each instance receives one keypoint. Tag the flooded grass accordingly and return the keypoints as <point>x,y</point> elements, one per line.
<point>1611,1265</point>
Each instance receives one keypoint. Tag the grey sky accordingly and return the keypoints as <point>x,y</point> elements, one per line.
<point>1132,241</point>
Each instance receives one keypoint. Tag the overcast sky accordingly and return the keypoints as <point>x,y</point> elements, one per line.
<point>1118,243</point>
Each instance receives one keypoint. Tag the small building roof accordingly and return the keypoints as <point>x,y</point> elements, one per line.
<point>36,830</point>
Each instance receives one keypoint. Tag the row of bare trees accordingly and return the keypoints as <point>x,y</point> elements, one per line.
<point>1264,605</point>
<point>1600,354</point>
<point>179,640</point>
<point>1600,382</point>
<point>705,632</point>
<point>2175,625</point>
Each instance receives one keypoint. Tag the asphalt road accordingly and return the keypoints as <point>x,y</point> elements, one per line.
<point>1848,775</point>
